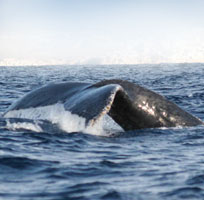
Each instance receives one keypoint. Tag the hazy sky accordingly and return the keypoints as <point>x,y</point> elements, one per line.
<point>101,31</point>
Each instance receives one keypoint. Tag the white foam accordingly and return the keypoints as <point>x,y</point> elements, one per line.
<point>23,125</point>
<point>65,120</point>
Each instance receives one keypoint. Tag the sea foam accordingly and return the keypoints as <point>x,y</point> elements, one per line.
<point>65,120</point>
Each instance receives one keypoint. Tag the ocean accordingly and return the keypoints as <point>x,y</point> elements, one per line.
<point>106,162</point>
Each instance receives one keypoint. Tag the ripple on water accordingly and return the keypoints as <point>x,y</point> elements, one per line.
<point>151,164</point>
<point>185,193</point>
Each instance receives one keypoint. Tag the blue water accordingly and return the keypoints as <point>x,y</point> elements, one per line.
<point>166,163</point>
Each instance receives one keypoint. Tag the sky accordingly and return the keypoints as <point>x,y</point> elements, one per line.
<point>46,32</point>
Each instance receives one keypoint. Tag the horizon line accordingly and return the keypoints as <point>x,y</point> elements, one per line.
<point>53,65</point>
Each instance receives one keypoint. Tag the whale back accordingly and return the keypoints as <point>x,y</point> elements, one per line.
<point>92,103</point>
<point>48,95</point>
<point>136,107</point>
<point>130,105</point>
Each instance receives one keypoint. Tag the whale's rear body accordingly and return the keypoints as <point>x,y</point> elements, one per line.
<point>130,105</point>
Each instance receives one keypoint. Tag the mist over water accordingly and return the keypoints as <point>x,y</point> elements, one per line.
<point>51,155</point>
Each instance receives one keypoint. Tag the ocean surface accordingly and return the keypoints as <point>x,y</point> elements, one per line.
<point>105,162</point>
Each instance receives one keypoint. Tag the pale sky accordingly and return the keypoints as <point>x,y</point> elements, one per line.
<point>35,32</point>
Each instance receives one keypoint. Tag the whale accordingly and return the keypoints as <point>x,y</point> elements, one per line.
<point>130,105</point>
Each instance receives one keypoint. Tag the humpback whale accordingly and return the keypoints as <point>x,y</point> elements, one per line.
<point>128,104</point>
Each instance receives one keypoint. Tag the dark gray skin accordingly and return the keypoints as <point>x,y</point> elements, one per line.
<point>130,105</point>
<point>138,108</point>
